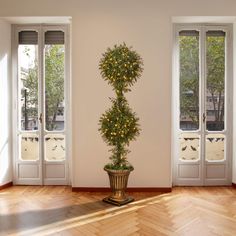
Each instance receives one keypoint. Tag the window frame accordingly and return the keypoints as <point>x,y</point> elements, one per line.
<point>41,29</point>
<point>175,89</point>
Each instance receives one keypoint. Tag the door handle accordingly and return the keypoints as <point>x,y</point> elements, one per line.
<point>41,118</point>
<point>204,117</point>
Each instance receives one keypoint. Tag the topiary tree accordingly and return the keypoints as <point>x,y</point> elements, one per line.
<point>120,67</point>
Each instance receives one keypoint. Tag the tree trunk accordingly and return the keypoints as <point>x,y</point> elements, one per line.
<point>222,111</point>
<point>219,105</point>
<point>214,106</point>
<point>55,114</point>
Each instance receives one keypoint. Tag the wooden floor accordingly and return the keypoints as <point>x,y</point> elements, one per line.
<point>58,211</point>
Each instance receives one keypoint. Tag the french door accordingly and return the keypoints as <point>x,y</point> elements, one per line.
<point>41,105</point>
<point>203,126</point>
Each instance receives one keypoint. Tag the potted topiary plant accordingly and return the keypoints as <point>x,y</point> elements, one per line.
<point>120,67</point>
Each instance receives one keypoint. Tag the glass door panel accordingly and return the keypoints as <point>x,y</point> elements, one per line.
<point>29,147</point>
<point>54,147</point>
<point>189,79</point>
<point>215,147</point>
<point>28,85</point>
<point>215,92</point>
<point>54,87</point>
<point>54,105</point>
<point>189,144</point>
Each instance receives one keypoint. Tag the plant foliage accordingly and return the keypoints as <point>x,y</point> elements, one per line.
<point>121,67</point>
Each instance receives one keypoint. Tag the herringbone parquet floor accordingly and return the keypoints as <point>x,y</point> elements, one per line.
<point>199,211</point>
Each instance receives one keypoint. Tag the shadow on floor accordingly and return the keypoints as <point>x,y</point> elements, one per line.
<point>34,219</point>
<point>17,222</point>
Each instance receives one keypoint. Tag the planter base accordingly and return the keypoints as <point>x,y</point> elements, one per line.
<point>118,203</point>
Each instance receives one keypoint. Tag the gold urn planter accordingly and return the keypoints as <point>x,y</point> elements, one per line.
<point>118,183</point>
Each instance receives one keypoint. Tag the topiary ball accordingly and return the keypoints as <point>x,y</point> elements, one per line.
<point>119,125</point>
<point>121,67</point>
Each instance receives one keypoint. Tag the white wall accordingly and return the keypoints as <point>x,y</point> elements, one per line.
<point>147,26</point>
<point>5,104</point>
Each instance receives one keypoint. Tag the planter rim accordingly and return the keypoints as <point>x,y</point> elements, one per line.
<point>117,171</point>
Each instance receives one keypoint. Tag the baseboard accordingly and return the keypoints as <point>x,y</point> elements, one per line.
<point>7,185</point>
<point>233,185</point>
<point>131,189</point>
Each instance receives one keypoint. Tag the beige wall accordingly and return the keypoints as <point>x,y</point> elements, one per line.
<point>5,122</point>
<point>147,26</point>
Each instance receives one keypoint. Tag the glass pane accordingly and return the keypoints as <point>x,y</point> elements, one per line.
<point>28,86</point>
<point>189,146</point>
<point>215,147</point>
<point>29,147</point>
<point>189,80</point>
<point>54,87</point>
<point>55,147</point>
<point>215,94</point>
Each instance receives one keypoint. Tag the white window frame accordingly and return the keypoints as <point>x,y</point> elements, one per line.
<point>41,28</point>
<point>177,27</point>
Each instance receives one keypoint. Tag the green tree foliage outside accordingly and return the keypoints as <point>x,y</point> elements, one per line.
<point>189,77</point>
<point>216,74</point>
<point>54,84</point>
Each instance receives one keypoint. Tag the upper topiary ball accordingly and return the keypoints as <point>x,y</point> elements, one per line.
<point>121,67</point>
